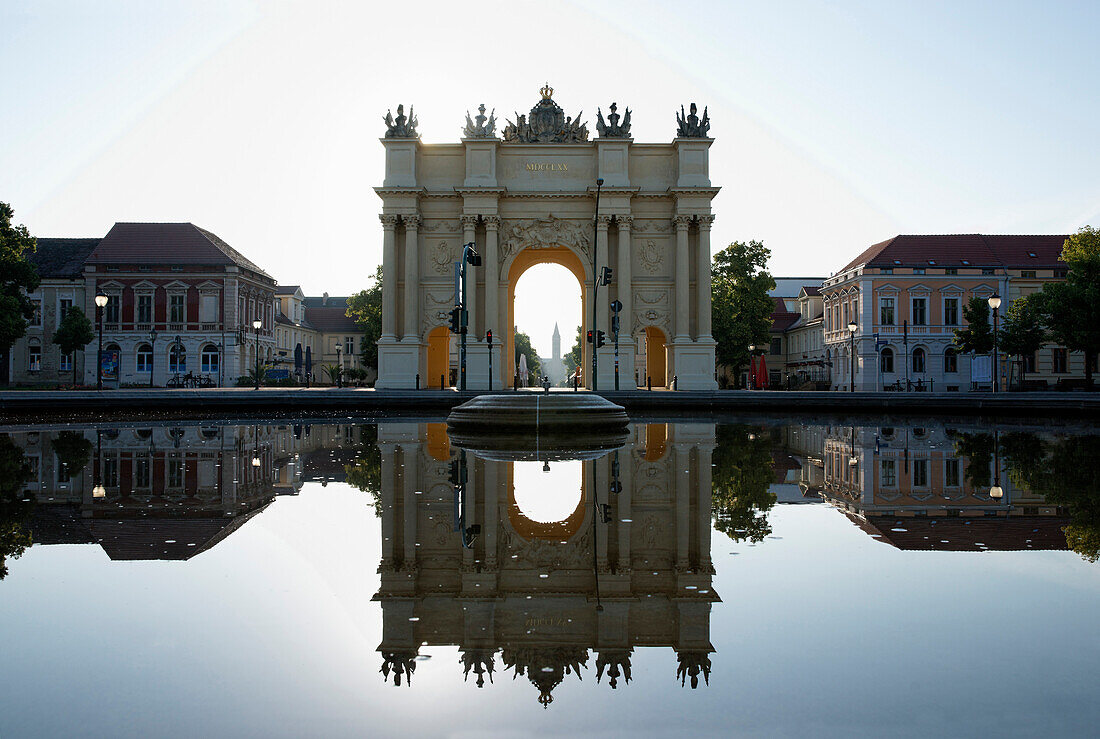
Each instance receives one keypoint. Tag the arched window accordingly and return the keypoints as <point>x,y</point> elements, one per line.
<point>950,361</point>
<point>887,360</point>
<point>918,360</point>
<point>177,358</point>
<point>144,358</point>
<point>210,358</point>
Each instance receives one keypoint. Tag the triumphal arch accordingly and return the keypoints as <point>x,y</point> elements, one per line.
<point>528,196</point>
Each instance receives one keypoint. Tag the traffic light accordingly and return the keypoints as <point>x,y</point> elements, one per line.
<point>489,336</point>
<point>589,337</point>
<point>606,280</point>
<point>615,323</point>
<point>456,320</point>
<point>600,335</point>
<point>453,475</point>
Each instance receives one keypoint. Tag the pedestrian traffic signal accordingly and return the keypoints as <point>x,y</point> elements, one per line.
<point>489,336</point>
<point>456,320</point>
<point>600,335</point>
<point>589,337</point>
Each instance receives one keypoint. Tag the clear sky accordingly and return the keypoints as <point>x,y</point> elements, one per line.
<point>837,124</point>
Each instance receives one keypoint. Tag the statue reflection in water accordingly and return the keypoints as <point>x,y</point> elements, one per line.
<point>482,548</point>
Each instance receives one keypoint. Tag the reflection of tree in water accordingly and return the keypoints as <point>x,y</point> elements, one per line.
<point>546,667</point>
<point>743,470</point>
<point>366,472</point>
<point>1065,471</point>
<point>15,511</point>
<point>73,452</point>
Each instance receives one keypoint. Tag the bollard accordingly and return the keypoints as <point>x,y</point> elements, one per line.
<point>441,381</point>
<point>515,383</point>
<point>417,380</point>
<point>648,382</point>
<point>675,378</point>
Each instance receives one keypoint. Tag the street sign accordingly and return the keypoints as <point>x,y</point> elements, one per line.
<point>616,306</point>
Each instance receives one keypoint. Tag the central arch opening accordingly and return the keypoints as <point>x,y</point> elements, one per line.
<point>546,286</point>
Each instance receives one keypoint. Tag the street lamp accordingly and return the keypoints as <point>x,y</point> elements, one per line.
<point>995,304</point>
<point>339,367</point>
<point>597,276</point>
<point>100,304</point>
<point>256,327</point>
<point>752,366</point>
<point>152,354</point>
<point>852,352</point>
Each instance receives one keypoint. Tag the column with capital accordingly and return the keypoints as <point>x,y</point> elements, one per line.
<point>602,224</point>
<point>412,277</point>
<point>624,292</point>
<point>704,453</point>
<point>389,276</point>
<point>681,456</point>
<point>492,296</point>
<point>388,484</point>
<point>702,279</point>
<point>682,327</point>
<point>409,469</point>
<point>469,224</point>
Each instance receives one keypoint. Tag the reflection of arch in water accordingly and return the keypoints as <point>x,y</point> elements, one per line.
<point>529,529</point>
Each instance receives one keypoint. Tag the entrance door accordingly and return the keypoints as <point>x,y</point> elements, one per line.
<point>655,351</point>
<point>439,358</point>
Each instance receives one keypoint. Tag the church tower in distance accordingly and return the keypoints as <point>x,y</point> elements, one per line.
<point>557,342</point>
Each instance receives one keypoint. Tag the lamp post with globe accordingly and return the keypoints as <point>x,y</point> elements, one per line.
<point>100,303</point>
<point>995,304</point>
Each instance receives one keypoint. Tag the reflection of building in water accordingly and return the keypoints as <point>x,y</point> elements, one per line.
<point>636,573</point>
<point>908,487</point>
<point>168,492</point>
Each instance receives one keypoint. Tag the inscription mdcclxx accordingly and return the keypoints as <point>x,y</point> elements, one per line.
<point>546,167</point>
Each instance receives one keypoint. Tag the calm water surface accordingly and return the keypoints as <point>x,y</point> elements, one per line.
<point>321,579</point>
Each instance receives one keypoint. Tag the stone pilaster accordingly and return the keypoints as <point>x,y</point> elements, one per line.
<point>389,276</point>
<point>702,280</point>
<point>682,329</point>
<point>602,223</point>
<point>412,277</point>
<point>469,224</point>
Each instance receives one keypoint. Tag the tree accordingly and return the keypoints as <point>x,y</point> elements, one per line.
<point>743,471</point>
<point>1022,332</point>
<point>74,333</point>
<point>73,452</point>
<point>333,372</point>
<point>17,278</point>
<point>15,510</point>
<point>523,346</point>
<point>741,308</point>
<point>977,336</point>
<point>575,356</point>
<point>1072,306</point>
<point>365,307</point>
<point>366,472</point>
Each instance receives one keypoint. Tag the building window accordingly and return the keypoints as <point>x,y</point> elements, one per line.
<point>918,360</point>
<point>144,308</point>
<point>110,472</point>
<point>175,473</point>
<point>349,345</point>
<point>951,473</point>
<point>950,270</point>
<point>918,270</point>
<point>34,358</point>
<point>143,471</point>
<point>920,311</point>
<point>1058,361</point>
<point>889,473</point>
<point>66,363</point>
<point>175,309</point>
<point>886,271</point>
<point>987,271</point>
<point>1029,362</point>
<point>177,358</point>
<point>1027,274</point>
<point>950,361</point>
<point>777,346</point>
<point>210,358</point>
<point>886,311</point>
<point>208,308</point>
<point>63,307</point>
<point>920,473</point>
<point>144,358</point>
<point>887,360</point>
<point>951,311</point>
<point>111,310</point>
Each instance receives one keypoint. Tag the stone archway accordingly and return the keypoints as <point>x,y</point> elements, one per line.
<point>519,264</point>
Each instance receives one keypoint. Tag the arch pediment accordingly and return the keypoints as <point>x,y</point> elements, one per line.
<point>550,232</point>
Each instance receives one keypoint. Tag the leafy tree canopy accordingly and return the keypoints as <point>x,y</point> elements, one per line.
<point>18,277</point>
<point>15,535</point>
<point>575,356</point>
<point>73,451</point>
<point>365,307</point>
<point>366,472</point>
<point>1072,306</point>
<point>74,333</point>
<point>977,336</point>
<point>741,308</point>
